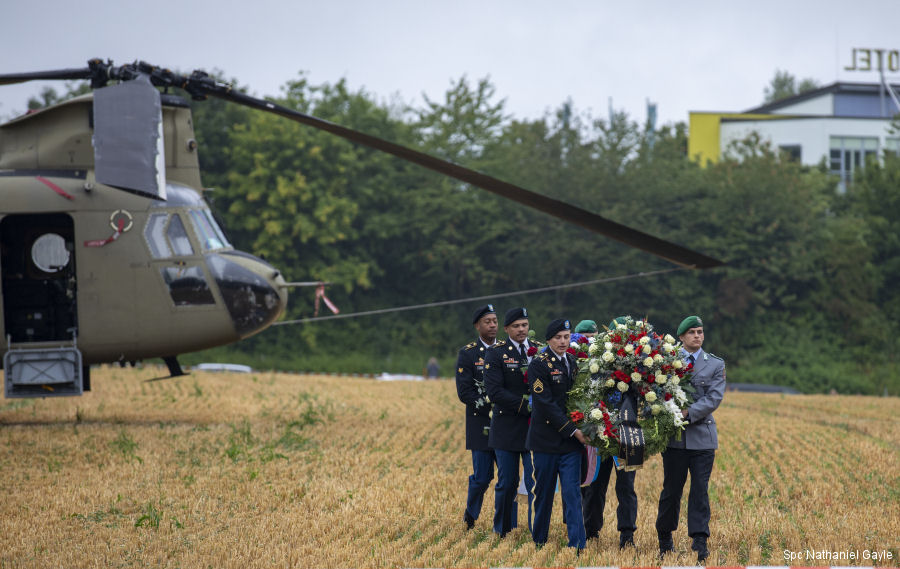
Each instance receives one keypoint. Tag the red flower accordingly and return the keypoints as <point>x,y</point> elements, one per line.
<point>620,352</point>
<point>576,416</point>
<point>525,375</point>
<point>650,378</point>
<point>616,339</point>
<point>582,340</point>
<point>668,396</point>
<point>581,356</point>
<point>570,351</point>
<point>531,351</point>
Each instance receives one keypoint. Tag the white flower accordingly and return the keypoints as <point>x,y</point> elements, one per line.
<point>595,367</point>
<point>661,378</point>
<point>668,348</point>
<point>608,346</point>
<point>635,376</point>
<point>620,326</point>
<point>650,397</point>
<point>622,386</point>
<point>655,409</point>
<point>676,380</point>
<point>639,323</point>
<point>648,362</point>
<point>608,357</point>
<point>596,414</point>
<point>678,364</point>
<point>645,340</point>
<point>593,349</point>
<point>629,349</point>
<point>647,349</point>
<point>658,358</point>
<point>669,339</point>
<point>610,382</point>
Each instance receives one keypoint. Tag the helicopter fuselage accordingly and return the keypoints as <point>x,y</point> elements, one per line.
<point>121,276</point>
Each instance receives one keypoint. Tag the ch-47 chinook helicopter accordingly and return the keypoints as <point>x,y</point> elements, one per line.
<point>109,252</point>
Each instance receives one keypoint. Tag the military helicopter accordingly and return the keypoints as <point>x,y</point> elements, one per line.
<point>111,254</point>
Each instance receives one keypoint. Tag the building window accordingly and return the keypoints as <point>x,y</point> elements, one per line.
<point>791,151</point>
<point>849,153</point>
<point>892,147</point>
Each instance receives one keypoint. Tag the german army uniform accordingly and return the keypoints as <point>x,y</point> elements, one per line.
<point>508,389</point>
<point>470,389</point>
<point>554,449</point>
<point>694,453</point>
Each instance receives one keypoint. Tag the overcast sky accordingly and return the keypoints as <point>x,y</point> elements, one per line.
<point>682,55</point>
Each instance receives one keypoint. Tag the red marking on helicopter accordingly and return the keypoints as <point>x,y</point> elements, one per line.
<point>110,239</point>
<point>54,187</point>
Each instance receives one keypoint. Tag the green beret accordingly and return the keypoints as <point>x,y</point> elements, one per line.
<point>688,323</point>
<point>620,320</point>
<point>586,326</point>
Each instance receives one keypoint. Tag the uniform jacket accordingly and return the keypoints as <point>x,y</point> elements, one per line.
<point>551,427</point>
<point>508,390</point>
<point>709,380</point>
<point>470,389</point>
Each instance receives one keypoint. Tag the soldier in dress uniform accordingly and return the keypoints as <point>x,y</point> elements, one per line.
<point>508,389</point>
<point>470,388</point>
<point>696,450</point>
<point>555,443</point>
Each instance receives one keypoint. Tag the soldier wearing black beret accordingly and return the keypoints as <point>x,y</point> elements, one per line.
<point>508,389</point>
<point>555,442</point>
<point>470,388</point>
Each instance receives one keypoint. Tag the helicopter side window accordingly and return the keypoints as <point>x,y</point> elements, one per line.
<point>210,238</point>
<point>155,234</point>
<point>178,237</point>
<point>187,285</point>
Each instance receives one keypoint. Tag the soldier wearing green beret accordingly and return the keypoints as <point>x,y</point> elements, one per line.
<point>696,450</point>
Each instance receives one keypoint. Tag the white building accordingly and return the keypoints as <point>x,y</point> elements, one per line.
<point>844,123</point>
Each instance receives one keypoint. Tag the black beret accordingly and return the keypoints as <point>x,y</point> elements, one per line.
<point>556,326</point>
<point>688,323</point>
<point>481,311</point>
<point>514,314</point>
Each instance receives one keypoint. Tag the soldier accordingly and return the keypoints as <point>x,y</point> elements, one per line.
<point>555,443</point>
<point>508,389</point>
<point>696,450</point>
<point>593,495</point>
<point>470,388</point>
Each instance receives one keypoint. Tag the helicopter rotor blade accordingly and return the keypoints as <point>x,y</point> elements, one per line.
<point>562,210</point>
<point>59,74</point>
<point>200,85</point>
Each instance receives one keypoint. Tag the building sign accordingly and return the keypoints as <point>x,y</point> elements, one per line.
<point>866,59</point>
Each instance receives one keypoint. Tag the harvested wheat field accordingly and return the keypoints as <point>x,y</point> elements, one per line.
<point>281,470</point>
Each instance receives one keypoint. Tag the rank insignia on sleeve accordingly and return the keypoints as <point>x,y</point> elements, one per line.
<point>538,386</point>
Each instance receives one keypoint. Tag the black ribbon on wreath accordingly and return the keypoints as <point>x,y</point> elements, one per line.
<point>631,435</point>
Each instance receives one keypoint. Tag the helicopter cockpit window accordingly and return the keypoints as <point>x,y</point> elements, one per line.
<point>187,285</point>
<point>208,231</point>
<point>178,237</point>
<point>155,234</point>
<point>49,253</point>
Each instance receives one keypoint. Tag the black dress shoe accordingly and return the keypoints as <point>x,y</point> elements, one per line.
<point>626,538</point>
<point>666,545</point>
<point>470,521</point>
<point>699,545</point>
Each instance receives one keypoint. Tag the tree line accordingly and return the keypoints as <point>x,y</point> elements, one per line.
<point>807,298</point>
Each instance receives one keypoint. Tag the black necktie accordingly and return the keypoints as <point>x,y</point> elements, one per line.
<point>522,352</point>
<point>691,359</point>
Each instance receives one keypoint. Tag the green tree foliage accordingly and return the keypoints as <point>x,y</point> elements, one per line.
<point>807,269</point>
<point>784,85</point>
